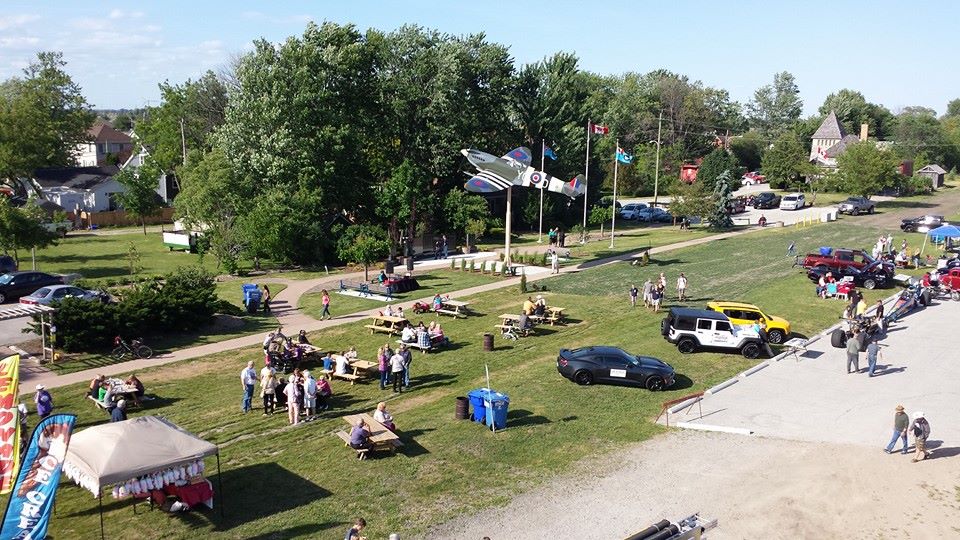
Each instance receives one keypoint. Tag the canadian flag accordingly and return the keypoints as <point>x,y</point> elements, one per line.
<point>597,129</point>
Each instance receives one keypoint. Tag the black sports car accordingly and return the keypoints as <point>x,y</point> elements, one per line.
<point>767,199</point>
<point>611,365</point>
<point>921,224</point>
<point>868,277</point>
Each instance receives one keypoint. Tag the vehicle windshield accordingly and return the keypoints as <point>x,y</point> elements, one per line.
<point>4,279</point>
<point>40,293</point>
<point>789,198</point>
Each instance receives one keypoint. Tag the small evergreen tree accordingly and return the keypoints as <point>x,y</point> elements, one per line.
<point>720,218</point>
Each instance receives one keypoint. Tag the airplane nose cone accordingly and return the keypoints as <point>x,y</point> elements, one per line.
<point>465,152</point>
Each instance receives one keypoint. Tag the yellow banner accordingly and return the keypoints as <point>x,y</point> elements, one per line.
<point>9,422</point>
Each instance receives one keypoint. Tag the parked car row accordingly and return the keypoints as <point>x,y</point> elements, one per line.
<point>645,213</point>
<point>40,288</point>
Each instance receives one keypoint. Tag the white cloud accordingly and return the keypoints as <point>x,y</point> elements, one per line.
<point>90,24</point>
<point>116,14</point>
<point>120,14</point>
<point>15,21</point>
<point>287,19</point>
<point>18,42</point>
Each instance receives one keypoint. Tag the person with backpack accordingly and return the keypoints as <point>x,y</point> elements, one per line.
<point>921,430</point>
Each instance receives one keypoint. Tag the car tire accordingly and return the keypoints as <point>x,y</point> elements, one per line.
<point>583,377</point>
<point>687,345</point>
<point>664,327</point>
<point>869,284</point>
<point>925,297</point>
<point>955,296</point>
<point>3,298</point>
<point>654,384</point>
<point>855,212</point>
<point>870,210</point>
<point>838,339</point>
<point>750,350</point>
<point>776,336</point>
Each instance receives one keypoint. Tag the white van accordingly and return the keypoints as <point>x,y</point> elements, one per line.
<point>793,201</point>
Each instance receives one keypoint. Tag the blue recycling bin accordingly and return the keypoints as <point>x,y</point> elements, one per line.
<point>476,398</point>
<point>251,297</point>
<point>497,405</point>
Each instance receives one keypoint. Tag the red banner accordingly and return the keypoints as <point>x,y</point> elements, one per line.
<point>9,423</point>
<point>597,129</point>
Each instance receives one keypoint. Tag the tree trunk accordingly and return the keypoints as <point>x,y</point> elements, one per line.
<point>143,221</point>
<point>366,276</point>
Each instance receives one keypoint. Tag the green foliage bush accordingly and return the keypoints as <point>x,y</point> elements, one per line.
<point>184,302</point>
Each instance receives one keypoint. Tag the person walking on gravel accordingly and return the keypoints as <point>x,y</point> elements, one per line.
<point>900,424</point>
<point>325,299</point>
<point>921,430</point>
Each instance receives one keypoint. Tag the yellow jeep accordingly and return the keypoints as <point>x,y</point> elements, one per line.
<point>778,328</point>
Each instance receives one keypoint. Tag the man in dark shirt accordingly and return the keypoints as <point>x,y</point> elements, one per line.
<point>119,413</point>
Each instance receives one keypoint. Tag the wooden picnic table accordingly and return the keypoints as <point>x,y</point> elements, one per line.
<point>390,324</point>
<point>508,317</point>
<point>456,308</point>
<point>380,437</point>
<point>552,315</point>
<point>357,365</point>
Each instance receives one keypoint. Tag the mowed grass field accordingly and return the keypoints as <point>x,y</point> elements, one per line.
<point>300,482</point>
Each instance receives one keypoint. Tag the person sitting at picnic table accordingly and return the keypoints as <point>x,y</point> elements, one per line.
<point>408,335</point>
<point>389,311</point>
<point>523,322</point>
<point>324,391</point>
<point>381,415</point>
<point>119,413</point>
<point>528,306</point>
<point>95,385</point>
<point>108,395</point>
<point>399,312</point>
<point>540,306</point>
<point>437,302</point>
<point>133,381</point>
<point>360,436</point>
<point>351,354</point>
<point>342,364</point>
<point>423,337</point>
<point>302,338</point>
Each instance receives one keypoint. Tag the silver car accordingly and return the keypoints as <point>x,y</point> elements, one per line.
<point>632,210</point>
<point>45,296</point>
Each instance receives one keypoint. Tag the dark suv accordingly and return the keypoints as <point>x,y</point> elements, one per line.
<point>7,264</point>
<point>17,284</point>
<point>767,199</point>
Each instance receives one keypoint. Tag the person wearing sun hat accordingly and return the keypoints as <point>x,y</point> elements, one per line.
<point>921,430</point>
<point>900,424</point>
<point>44,402</point>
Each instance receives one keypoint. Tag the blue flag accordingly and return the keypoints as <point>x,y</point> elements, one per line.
<point>31,502</point>
<point>624,157</point>
<point>547,151</point>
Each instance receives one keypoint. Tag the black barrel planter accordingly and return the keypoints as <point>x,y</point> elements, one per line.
<point>462,411</point>
<point>488,342</point>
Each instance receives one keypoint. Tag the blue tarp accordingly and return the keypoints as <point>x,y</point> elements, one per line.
<point>944,231</point>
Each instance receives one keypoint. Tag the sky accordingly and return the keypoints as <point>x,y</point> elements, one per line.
<point>897,54</point>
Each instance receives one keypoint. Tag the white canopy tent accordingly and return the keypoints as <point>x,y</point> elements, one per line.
<point>116,452</point>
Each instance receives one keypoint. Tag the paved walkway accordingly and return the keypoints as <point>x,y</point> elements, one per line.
<point>293,319</point>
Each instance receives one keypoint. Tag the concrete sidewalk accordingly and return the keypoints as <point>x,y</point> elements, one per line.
<point>293,320</point>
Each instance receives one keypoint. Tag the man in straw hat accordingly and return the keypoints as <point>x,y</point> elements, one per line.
<point>900,424</point>
<point>921,430</point>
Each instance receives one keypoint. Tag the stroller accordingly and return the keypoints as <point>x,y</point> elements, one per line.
<point>421,307</point>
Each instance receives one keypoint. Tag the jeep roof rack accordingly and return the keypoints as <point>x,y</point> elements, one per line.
<point>699,313</point>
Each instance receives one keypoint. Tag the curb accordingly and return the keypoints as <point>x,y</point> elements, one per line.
<point>725,384</point>
<point>719,429</point>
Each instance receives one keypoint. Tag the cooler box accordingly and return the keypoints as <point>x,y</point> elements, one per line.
<point>826,251</point>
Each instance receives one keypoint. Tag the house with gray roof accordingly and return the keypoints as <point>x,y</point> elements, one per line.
<point>934,173</point>
<point>91,189</point>
<point>829,141</point>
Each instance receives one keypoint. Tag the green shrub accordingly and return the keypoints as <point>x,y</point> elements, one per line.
<point>452,266</point>
<point>543,259</point>
<point>523,281</point>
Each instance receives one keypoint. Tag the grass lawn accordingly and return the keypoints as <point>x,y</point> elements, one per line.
<point>431,282</point>
<point>301,482</point>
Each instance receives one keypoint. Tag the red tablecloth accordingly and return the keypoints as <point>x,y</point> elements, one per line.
<point>190,494</point>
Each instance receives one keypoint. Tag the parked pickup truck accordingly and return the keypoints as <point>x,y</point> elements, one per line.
<point>842,258</point>
<point>855,206</point>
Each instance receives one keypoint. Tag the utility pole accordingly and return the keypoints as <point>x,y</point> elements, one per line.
<point>183,141</point>
<point>656,170</point>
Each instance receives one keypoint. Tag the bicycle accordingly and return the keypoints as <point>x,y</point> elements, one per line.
<point>135,348</point>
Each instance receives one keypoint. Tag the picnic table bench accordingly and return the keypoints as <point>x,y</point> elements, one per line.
<point>456,308</point>
<point>387,323</point>
<point>416,345</point>
<point>381,438</point>
<point>359,366</point>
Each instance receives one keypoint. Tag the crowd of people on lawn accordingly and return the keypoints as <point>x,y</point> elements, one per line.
<point>655,291</point>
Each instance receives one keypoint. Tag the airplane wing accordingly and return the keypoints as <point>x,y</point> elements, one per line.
<point>521,155</point>
<point>486,182</point>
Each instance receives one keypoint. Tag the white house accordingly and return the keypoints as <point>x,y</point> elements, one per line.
<point>91,189</point>
<point>167,185</point>
<point>102,143</point>
<point>829,141</point>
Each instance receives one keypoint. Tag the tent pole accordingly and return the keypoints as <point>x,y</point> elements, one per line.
<point>220,482</point>
<point>100,504</point>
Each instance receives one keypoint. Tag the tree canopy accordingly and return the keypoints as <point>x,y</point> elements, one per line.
<point>865,170</point>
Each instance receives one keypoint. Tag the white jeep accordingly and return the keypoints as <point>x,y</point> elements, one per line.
<point>701,329</point>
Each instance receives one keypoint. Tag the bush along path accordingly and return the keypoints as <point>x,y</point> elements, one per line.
<point>295,321</point>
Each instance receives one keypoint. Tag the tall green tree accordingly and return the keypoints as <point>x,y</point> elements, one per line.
<point>22,228</point>
<point>691,200</point>
<point>404,202</point>
<point>715,164</point>
<point>865,170</point>
<point>43,116</point>
<point>853,109</point>
<point>139,198</point>
<point>462,208</point>
<point>748,150</point>
<point>918,130</point>
<point>776,106</point>
<point>785,162</point>
<point>363,244</point>
<point>188,114</point>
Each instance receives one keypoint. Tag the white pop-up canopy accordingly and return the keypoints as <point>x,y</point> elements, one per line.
<point>116,452</point>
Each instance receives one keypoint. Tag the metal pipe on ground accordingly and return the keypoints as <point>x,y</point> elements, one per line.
<point>664,534</point>
<point>651,530</point>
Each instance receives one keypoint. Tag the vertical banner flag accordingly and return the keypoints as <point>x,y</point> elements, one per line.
<point>31,503</point>
<point>623,156</point>
<point>597,129</point>
<point>549,152</point>
<point>9,421</point>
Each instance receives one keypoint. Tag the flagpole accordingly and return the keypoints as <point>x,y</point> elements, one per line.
<point>586,186</point>
<point>507,227</point>
<point>613,216</point>
<point>543,168</point>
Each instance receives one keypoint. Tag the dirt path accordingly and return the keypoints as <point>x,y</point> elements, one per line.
<point>756,487</point>
<point>944,202</point>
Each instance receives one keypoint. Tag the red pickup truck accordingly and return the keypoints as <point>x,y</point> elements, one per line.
<point>842,258</point>
<point>951,280</point>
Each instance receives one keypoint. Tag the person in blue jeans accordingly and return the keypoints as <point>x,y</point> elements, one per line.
<point>407,360</point>
<point>900,424</point>
<point>873,349</point>
<point>248,377</point>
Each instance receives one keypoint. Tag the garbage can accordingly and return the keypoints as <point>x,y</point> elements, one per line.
<point>388,266</point>
<point>462,411</point>
<point>488,342</point>
<point>251,297</point>
<point>476,398</point>
<point>497,405</point>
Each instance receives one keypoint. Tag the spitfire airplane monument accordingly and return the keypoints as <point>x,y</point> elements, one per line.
<point>513,169</point>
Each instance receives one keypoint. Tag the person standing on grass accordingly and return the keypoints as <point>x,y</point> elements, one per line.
<point>324,392</point>
<point>309,393</point>
<point>397,369</point>
<point>292,391</point>
<point>248,377</point>
<point>900,424</point>
<point>873,349</point>
<point>268,392</point>
<point>266,298</point>
<point>662,282</point>
<point>634,291</point>
<point>647,293</point>
<point>921,430</point>
<point>655,297</point>
<point>407,360</point>
<point>554,262</point>
<point>853,352</point>
<point>681,286</point>
<point>325,299</point>
<point>383,364</point>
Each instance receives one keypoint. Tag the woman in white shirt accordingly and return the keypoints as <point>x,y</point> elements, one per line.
<point>341,364</point>
<point>381,415</point>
